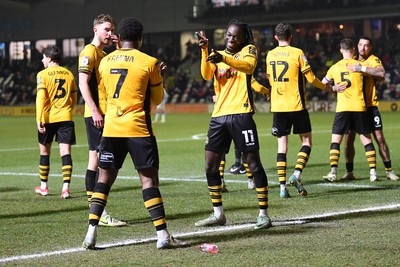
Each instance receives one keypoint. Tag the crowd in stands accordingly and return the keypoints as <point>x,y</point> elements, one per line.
<point>183,79</point>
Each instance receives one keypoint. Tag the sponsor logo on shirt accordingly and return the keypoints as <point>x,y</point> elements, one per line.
<point>106,157</point>
<point>85,60</point>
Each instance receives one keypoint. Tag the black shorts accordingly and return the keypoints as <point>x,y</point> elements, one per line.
<point>344,121</point>
<point>93,134</point>
<point>375,119</point>
<point>143,151</point>
<point>284,121</point>
<point>63,131</point>
<point>240,128</point>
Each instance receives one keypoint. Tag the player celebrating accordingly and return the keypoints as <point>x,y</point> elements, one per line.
<point>350,110</point>
<point>372,66</point>
<point>232,117</point>
<point>287,68</point>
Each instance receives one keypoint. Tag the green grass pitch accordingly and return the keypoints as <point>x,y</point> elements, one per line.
<point>340,224</point>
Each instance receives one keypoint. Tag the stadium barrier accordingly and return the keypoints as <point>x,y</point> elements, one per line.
<point>312,106</point>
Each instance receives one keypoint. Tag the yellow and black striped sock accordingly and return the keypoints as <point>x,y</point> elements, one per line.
<point>154,204</point>
<point>302,158</point>
<point>66,168</point>
<point>370,153</point>
<point>222,169</point>
<point>248,171</point>
<point>281,165</point>
<point>44,168</point>
<point>388,165</point>
<point>261,183</point>
<point>98,202</point>
<point>215,189</point>
<point>334,154</point>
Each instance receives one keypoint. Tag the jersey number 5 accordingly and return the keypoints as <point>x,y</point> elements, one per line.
<point>343,79</point>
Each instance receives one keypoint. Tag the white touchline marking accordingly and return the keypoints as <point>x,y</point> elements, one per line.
<point>40,255</point>
<point>188,179</point>
<point>195,137</point>
<point>203,179</point>
<point>281,222</point>
<point>199,136</point>
<point>55,146</point>
<point>337,213</point>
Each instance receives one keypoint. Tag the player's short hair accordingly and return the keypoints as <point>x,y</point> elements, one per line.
<point>366,38</point>
<point>103,18</point>
<point>283,31</point>
<point>53,52</point>
<point>248,34</point>
<point>346,44</point>
<point>130,29</point>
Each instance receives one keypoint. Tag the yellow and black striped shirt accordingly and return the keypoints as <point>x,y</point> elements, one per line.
<point>352,98</point>
<point>287,70</point>
<point>370,82</point>
<point>232,80</point>
<point>56,95</point>
<point>89,61</point>
<point>132,82</point>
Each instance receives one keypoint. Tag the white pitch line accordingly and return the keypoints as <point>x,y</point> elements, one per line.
<point>203,179</point>
<point>284,222</point>
<point>187,179</point>
<point>338,213</point>
<point>195,137</point>
<point>54,147</point>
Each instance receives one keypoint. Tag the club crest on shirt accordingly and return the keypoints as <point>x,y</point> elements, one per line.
<point>228,73</point>
<point>85,60</point>
<point>221,72</point>
<point>252,50</point>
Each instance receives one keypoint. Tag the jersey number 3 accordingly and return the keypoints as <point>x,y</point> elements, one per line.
<point>61,92</point>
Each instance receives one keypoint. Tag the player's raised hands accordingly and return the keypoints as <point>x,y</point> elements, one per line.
<point>203,41</point>
<point>214,57</point>
<point>116,41</point>
<point>162,69</point>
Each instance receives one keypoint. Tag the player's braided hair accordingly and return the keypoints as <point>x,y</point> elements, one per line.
<point>245,29</point>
